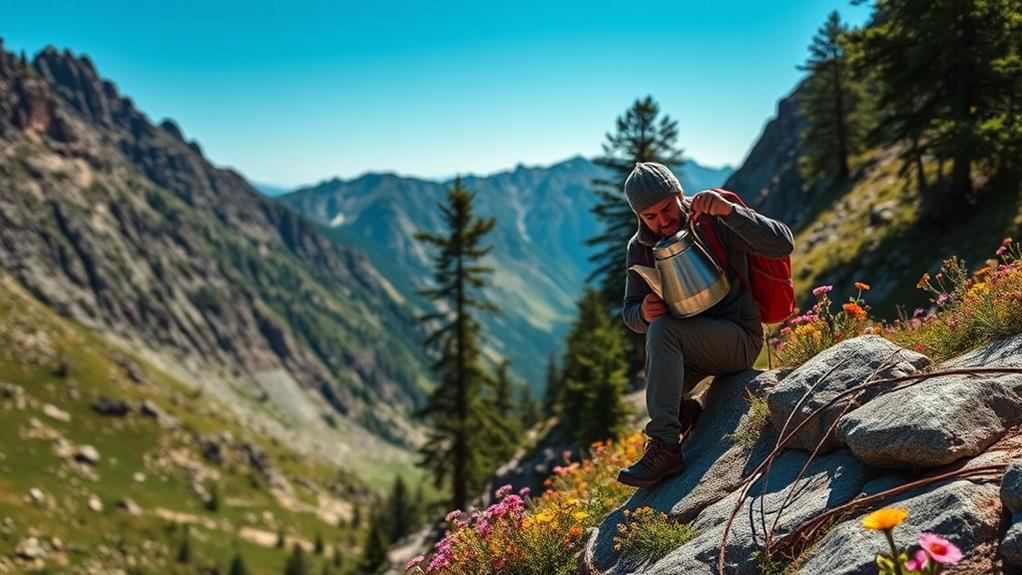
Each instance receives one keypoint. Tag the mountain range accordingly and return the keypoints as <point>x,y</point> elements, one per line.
<point>540,257</point>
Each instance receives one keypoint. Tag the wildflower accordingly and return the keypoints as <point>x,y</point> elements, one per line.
<point>1006,242</point>
<point>580,515</point>
<point>862,286</point>
<point>854,310</point>
<point>498,563</point>
<point>919,347</point>
<point>452,516</point>
<point>575,531</point>
<point>820,290</point>
<point>917,563</point>
<point>923,281</point>
<point>524,492</point>
<point>1000,251</point>
<point>545,517</point>
<point>942,298</point>
<point>504,491</point>
<point>415,562</point>
<point>884,519</point>
<point>939,549</point>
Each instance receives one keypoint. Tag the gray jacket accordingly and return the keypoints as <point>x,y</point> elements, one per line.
<point>742,231</point>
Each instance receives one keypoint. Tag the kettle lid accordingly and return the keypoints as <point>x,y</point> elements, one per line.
<point>673,245</point>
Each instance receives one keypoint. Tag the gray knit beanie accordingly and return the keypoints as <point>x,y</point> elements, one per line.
<point>650,183</point>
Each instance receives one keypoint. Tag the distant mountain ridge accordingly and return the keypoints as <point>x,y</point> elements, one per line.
<point>125,227</point>
<point>540,255</point>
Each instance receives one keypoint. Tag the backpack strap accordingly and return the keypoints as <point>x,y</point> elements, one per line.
<point>706,224</point>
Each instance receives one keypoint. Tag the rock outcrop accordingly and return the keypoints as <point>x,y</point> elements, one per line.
<point>895,435</point>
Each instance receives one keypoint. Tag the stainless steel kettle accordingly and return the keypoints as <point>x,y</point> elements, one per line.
<point>686,277</point>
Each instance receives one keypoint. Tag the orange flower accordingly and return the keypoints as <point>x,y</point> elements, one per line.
<point>923,281</point>
<point>862,285</point>
<point>884,519</point>
<point>854,310</point>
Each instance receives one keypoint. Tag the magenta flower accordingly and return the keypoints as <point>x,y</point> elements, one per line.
<point>456,514</point>
<point>504,491</point>
<point>820,290</point>
<point>1000,251</point>
<point>415,562</point>
<point>524,492</point>
<point>917,563</point>
<point>939,549</point>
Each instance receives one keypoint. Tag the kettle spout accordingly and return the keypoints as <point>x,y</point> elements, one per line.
<point>652,277</point>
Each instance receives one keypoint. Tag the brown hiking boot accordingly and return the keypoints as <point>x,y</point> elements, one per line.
<point>688,414</point>
<point>659,460</point>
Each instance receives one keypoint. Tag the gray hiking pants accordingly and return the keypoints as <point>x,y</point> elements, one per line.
<point>679,354</point>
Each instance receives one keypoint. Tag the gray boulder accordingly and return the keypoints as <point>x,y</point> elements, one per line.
<point>1011,545</point>
<point>1011,487</point>
<point>932,423</point>
<point>830,481</point>
<point>964,513</point>
<point>707,490</point>
<point>841,367</point>
<point>714,465</point>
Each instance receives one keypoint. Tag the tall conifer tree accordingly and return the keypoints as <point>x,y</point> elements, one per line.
<point>830,105</point>
<point>642,135</point>
<point>945,83</point>
<point>594,374</point>
<point>464,427</point>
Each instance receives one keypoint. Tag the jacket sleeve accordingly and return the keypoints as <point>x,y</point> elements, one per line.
<point>635,290</point>
<point>757,234</point>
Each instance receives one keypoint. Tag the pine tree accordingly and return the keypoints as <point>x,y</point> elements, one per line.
<point>594,374</point>
<point>184,550</point>
<point>945,88</point>
<point>374,552</point>
<point>356,516</point>
<point>238,566</point>
<point>529,411</point>
<point>318,546</point>
<point>398,511</point>
<point>830,101</point>
<point>464,427</point>
<point>296,564</point>
<point>554,388</point>
<point>642,135</point>
<point>338,561</point>
<point>502,400</point>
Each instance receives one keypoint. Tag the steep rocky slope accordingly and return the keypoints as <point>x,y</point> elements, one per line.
<point>110,465</point>
<point>124,226</point>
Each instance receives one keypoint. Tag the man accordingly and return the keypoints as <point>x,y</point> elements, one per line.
<point>724,339</point>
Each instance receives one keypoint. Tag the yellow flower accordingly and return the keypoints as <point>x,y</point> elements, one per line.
<point>572,501</point>
<point>545,517</point>
<point>884,519</point>
<point>580,515</point>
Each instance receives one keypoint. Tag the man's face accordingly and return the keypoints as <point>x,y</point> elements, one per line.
<point>663,217</point>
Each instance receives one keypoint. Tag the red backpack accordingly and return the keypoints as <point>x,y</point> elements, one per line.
<point>771,287</point>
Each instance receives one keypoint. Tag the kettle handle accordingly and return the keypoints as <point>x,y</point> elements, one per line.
<point>692,221</point>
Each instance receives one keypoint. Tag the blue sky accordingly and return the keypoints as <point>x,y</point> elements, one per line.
<point>299,91</point>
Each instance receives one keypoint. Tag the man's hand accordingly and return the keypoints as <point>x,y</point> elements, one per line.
<point>653,307</point>
<point>712,203</point>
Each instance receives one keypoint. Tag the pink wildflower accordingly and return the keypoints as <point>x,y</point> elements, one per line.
<point>820,290</point>
<point>942,298</point>
<point>524,492</point>
<point>919,347</point>
<point>918,312</point>
<point>415,562</point>
<point>939,549</point>
<point>504,491</point>
<point>452,516</point>
<point>917,563</point>
<point>1000,251</point>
